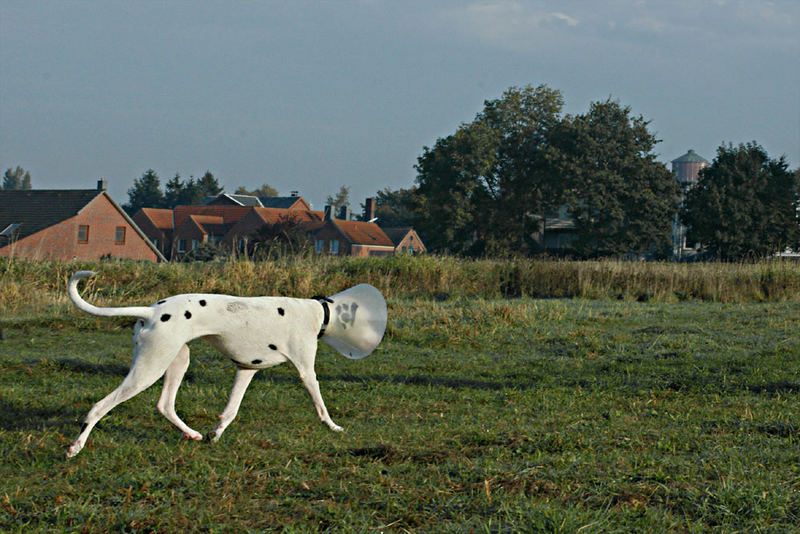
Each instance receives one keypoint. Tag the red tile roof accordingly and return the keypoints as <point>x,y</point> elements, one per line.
<point>230,214</point>
<point>161,218</point>
<point>364,233</point>
<point>211,225</point>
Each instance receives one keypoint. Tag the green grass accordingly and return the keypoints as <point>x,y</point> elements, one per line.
<point>475,414</point>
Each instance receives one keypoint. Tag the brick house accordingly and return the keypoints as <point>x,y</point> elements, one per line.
<point>229,225</point>
<point>242,232</point>
<point>405,240</point>
<point>232,222</point>
<point>341,237</point>
<point>187,227</point>
<point>68,225</point>
<point>159,225</point>
<point>196,230</point>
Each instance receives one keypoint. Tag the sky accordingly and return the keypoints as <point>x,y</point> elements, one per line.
<point>313,95</point>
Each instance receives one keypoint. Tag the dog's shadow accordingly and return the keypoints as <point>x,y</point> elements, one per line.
<point>426,381</point>
<point>90,368</point>
<point>21,417</point>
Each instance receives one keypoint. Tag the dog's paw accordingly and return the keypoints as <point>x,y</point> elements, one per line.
<point>336,428</point>
<point>73,449</point>
<point>195,436</point>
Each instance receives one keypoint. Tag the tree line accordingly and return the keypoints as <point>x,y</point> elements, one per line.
<point>491,187</point>
<point>17,178</point>
<point>146,191</point>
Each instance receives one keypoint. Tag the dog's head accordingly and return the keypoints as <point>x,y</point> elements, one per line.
<point>358,321</point>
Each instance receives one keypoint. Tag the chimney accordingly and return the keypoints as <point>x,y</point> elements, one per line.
<point>102,184</point>
<point>294,194</point>
<point>328,212</point>
<point>370,207</point>
<point>344,213</point>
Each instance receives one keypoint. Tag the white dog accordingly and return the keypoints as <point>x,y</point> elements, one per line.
<point>254,332</point>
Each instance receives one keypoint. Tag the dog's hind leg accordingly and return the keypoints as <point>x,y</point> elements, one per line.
<point>172,381</point>
<point>145,370</point>
<point>240,382</point>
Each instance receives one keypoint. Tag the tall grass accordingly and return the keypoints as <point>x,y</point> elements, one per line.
<point>31,286</point>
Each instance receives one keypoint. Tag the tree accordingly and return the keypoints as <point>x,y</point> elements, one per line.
<point>487,188</point>
<point>392,207</point>
<point>209,185</point>
<point>621,199</point>
<point>265,190</point>
<point>182,193</point>
<point>522,184</point>
<point>145,193</point>
<point>17,178</point>
<point>342,198</point>
<point>484,188</point>
<point>444,204</point>
<point>745,204</point>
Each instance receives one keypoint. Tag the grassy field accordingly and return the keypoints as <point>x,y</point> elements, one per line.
<point>482,414</point>
<point>37,287</point>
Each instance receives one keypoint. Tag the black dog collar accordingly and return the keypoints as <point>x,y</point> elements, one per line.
<point>324,301</point>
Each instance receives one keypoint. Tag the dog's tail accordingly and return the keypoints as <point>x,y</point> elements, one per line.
<point>132,311</point>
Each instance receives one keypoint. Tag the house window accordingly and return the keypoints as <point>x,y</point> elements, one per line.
<point>195,243</point>
<point>156,243</point>
<point>181,245</point>
<point>334,246</point>
<point>242,244</point>
<point>119,235</point>
<point>319,246</point>
<point>83,233</point>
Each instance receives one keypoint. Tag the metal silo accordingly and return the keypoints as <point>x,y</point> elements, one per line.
<point>686,170</point>
<point>687,167</point>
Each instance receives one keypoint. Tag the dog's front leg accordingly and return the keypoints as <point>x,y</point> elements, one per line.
<point>309,378</point>
<point>240,383</point>
<point>172,381</point>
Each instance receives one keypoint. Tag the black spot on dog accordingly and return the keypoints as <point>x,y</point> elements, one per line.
<point>188,315</point>
<point>83,427</point>
<point>281,311</point>
<point>161,302</point>
<point>165,317</point>
<point>202,302</point>
<point>256,362</point>
<point>273,347</point>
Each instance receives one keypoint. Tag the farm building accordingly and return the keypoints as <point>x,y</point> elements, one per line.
<point>230,226</point>
<point>233,222</point>
<point>405,240</point>
<point>69,224</point>
<point>341,237</point>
